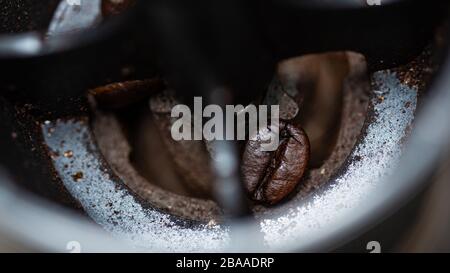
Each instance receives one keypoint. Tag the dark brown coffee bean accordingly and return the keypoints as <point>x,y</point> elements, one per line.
<point>115,7</point>
<point>122,94</point>
<point>270,176</point>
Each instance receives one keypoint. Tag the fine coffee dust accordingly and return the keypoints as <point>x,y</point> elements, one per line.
<point>116,149</point>
<point>356,92</point>
<point>25,15</point>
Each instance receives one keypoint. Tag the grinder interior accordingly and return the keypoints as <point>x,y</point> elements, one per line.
<point>25,15</point>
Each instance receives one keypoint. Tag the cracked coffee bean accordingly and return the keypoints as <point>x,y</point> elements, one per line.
<point>271,176</point>
<point>122,94</point>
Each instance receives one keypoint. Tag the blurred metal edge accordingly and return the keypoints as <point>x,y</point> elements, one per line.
<point>423,154</point>
<point>32,224</point>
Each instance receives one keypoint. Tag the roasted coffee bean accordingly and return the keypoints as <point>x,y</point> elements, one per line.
<point>271,176</point>
<point>115,7</point>
<point>122,94</point>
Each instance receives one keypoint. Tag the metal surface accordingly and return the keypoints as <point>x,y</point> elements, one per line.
<point>71,18</point>
<point>105,199</point>
<point>377,178</point>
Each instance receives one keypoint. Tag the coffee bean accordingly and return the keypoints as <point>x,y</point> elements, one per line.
<point>115,7</point>
<point>122,94</point>
<point>270,176</point>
